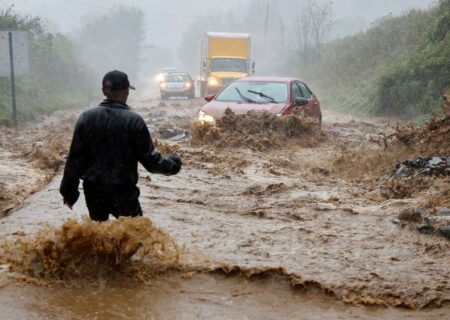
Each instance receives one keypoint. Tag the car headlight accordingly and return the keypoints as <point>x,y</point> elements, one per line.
<point>159,77</point>
<point>204,117</point>
<point>213,82</point>
<point>188,85</point>
<point>162,85</point>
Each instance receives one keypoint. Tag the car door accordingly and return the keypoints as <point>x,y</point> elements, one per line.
<point>312,109</point>
<point>295,93</point>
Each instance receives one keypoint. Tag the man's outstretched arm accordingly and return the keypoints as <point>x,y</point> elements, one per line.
<point>150,158</point>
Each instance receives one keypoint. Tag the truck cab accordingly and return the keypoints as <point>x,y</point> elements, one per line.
<point>224,70</point>
<point>225,58</point>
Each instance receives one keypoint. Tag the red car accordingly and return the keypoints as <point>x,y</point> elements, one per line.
<point>276,95</point>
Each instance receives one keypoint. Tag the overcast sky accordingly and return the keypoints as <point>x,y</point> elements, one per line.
<point>167,19</point>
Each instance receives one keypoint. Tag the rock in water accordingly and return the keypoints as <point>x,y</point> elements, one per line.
<point>446,232</point>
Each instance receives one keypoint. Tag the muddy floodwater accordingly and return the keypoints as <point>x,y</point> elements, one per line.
<point>262,230</point>
<point>200,297</point>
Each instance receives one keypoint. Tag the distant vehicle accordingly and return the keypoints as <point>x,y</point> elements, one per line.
<point>162,72</point>
<point>177,84</point>
<point>224,57</point>
<point>279,96</point>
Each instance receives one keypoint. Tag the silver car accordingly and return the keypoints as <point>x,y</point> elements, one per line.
<point>177,84</point>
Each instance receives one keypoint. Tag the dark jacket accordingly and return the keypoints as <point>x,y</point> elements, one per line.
<point>108,142</point>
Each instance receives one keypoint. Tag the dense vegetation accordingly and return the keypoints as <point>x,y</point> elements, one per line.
<point>56,80</point>
<point>398,67</point>
<point>66,72</point>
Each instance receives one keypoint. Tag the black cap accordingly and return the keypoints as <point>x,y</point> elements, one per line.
<point>116,80</point>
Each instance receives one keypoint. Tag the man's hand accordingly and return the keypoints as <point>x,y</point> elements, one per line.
<point>176,161</point>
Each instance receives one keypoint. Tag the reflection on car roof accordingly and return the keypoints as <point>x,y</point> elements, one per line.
<point>178,74</point>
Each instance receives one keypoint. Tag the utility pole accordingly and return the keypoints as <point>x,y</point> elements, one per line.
<point>14,62</point>
<point>13,80</point>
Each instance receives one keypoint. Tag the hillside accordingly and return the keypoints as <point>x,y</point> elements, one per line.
<point>398,67</point>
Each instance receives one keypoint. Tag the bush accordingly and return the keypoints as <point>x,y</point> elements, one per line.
<point>56,79</point>
<point>399,67</point>
<point>414,87</point>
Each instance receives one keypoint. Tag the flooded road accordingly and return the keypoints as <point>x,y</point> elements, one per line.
<point>290,232</point>
<point>201,297</point>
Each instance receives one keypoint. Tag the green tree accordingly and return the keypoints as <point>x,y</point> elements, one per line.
<point>56,80</point>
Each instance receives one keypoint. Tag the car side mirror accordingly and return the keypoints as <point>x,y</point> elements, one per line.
<point>300,102</point>
<point>209,97</point>
<point>252,67</point>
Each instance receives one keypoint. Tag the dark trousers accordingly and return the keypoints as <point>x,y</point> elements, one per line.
<point>120,201</point>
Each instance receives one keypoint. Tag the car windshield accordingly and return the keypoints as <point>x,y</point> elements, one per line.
<point>255,91</point>
<point>177,78</point>
<point>229,64</point>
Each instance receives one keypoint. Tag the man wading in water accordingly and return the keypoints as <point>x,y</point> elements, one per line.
<point>108,142</point>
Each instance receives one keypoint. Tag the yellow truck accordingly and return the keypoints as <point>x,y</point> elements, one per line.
<point>225,57</point>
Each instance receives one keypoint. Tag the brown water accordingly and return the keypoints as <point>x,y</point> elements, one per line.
<point>30,157</point>
<point>291,232</point>
<point>200,296</point>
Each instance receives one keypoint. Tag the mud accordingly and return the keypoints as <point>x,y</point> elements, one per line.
<point>433,190</point>
<point>199,296</point>
<point>295,231</point>
<point>83,254</point>
<point>258,131</point>
<point>395,145</point>
<point>433,138</point>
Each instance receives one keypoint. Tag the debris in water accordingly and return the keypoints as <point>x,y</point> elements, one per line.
<point>426,229</point>
<point>258,131</point>
<point>411,215</point>
<point>438,224</point>
<point>167,133</point>
<point>436,166</point>
<point>433,137</point>
<point>446,232</point>
<point>165,148</point>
